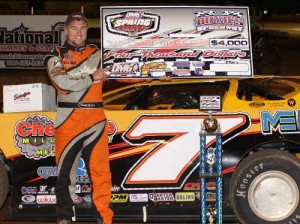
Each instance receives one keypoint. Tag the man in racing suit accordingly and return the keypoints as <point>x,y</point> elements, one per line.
<point>80,124</point>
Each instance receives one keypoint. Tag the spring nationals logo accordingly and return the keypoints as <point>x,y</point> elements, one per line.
<point>132,23</point>
<point>34,137</point>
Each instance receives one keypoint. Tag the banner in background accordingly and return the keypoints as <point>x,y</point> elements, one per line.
<point>25,40</point>
<point>183,42</point>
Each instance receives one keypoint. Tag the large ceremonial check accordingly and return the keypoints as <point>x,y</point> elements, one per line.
<point>181,41</point>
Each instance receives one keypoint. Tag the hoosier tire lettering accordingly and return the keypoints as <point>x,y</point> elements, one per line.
<point>4,183</point>
<point>241,190</point>
<point>265,188</point>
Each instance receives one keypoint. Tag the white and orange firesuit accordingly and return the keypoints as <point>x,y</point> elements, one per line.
<point>80,128</point>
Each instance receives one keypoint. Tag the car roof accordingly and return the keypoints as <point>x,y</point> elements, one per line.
<point>294,79</point>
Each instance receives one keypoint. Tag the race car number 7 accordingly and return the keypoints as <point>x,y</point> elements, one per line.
<point>175,155</point>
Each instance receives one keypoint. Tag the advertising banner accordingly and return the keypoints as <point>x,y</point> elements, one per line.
<point>25,40</point>
<point>182,42</point>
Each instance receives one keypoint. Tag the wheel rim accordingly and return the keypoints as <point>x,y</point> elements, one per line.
<point>273,196</point>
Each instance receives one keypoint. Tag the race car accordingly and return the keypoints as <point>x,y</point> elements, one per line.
<point>154,143</point>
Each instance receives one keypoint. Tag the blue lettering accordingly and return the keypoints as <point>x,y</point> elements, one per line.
<point>283,121</point>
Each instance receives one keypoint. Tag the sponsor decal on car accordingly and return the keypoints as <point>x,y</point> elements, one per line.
<point>29,190</point>
<point>28,199</point>
<point>119,198</point>
<point>196,186</point>
<point>283,121</point>
<point>34,137</point>
<point>112,130</point>
<point>116,188</point>
<point>257,104</point>
<point>46,199</point>
<point>292,102</point>
<point>47,171</point>
<point>138,197</point>
<point>185,196</point>
<point>157,197</point>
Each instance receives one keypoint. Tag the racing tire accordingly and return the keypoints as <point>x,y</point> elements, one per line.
<point>4,184</point>
<point>265,188</point>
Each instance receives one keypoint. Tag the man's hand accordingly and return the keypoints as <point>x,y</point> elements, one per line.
<point>100,75</point>
<point>165,78</point>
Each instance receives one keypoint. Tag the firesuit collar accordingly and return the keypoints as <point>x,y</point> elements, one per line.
<point>74,48</point>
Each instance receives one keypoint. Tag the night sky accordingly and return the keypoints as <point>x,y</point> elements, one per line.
<point>281,7</point>
<point>290,7</point>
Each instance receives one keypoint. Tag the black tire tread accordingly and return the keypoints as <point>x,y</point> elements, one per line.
<point>4,184</point>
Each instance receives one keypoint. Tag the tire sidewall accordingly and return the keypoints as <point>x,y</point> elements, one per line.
<point>252,167</point>
<point>4,184</point>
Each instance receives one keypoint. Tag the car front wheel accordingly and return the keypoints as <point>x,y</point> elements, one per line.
<point>4,185</point>
<point>265,188</point>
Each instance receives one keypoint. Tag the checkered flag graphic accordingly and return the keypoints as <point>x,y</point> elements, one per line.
<point>205,13</point>
<point>232,13</point>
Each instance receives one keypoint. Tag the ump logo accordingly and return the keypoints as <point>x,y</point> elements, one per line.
<point>132,23</point>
